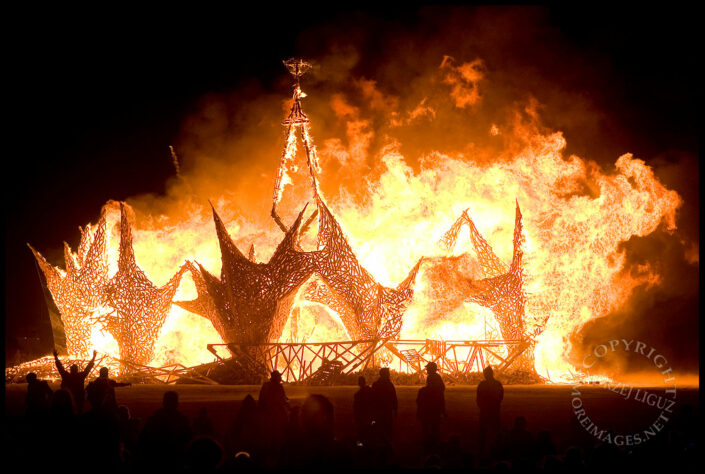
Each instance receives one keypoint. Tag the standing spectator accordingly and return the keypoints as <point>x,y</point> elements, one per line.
<point>273,400</point>
<point>101,392</point>
<point>38,397</point>
<point>273,407</point>
<point>363,406</point>
<point>385,400</point>
<point>319,448</point>
<point>129,432</point>
<point>430,404</point>
<point>242,434</point>
<point>489,398</point>
<point>73,381</point>
<point>202,424</point>
<point>64,431</point>
<point>521,443</point>
<point>162,443</point>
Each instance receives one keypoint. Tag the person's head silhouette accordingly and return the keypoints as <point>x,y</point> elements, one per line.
<point>431,368</point>
<point>171,400</point>
<point>488,373</point>
<point>31,377</point>
<point>317,415</point>
<point>103,373</point>
<point>74,369</point>
<point>361,381</point>
<point>384,373</point>
<point>123,413</point>
<point>276,377</point>
<point>520,423</point>
<point>61,403</point>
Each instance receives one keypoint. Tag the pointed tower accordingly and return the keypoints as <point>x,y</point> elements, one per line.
<point>367,309</point>
<point>138,308</point>
<point>297,123</point>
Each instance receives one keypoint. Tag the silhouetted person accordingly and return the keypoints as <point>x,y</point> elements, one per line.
<point>243,433</point>
<point>489,398</point>
<point>241,462</point>
<point>101,391</point>
<point>73,380</point>
<point>430,407</point>
<point>363,409</point>
<point>38,397</point>
<point>291,453</point>
<point>129,432</point>
<point>202,424</point>
<point>272,398</point>
<point>273,407</point>
<point>385,400</point>
<point>203,454</point>
<point>64,429</point>
<point>521,443</point>
<point>319,448</point>
<point>100,437</point>
<point>544,445</point>
<point>293,428</point>
<point>163,440</point>
<point>607,454</point>
<point>434,379</point>
<point>61,406</point>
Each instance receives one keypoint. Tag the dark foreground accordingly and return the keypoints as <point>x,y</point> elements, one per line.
<point>546,408</point>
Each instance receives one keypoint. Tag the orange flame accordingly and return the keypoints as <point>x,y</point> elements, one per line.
<point>576,215</point>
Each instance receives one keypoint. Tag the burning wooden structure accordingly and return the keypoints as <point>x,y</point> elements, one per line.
<point>502,287</point>
<point>127,305</point>
<point>250,303</point>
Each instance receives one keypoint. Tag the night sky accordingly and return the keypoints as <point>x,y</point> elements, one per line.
<point>105,98</point>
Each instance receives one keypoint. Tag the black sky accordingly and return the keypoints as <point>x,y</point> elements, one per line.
<point>105,97</point>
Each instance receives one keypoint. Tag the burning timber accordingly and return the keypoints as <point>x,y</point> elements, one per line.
<point>251,302</point>
<point>502,288</point>
<point>128,305</point>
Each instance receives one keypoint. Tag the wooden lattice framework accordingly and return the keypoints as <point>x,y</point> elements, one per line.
<point>456,358</point>
<point>317,362</point>
<point>127,305</point>
<point>250,302</point>
<point>502,287</point>
<point>79,290</point>
<point>138,308</point>
<point>367,309</point>
<point>305,361</point>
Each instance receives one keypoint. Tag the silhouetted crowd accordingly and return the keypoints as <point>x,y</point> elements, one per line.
<point>58,433</point>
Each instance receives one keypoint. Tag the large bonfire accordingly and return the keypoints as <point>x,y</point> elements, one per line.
<point>563,266</point>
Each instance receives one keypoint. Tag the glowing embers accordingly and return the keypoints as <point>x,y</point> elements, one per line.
<point>368,310</point>
<point>79,291</point>
<point>128,305</point>
<point>250,304</point>
<point>501,289</point>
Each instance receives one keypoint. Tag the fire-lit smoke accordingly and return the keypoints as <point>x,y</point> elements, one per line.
<point>404,148</point>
